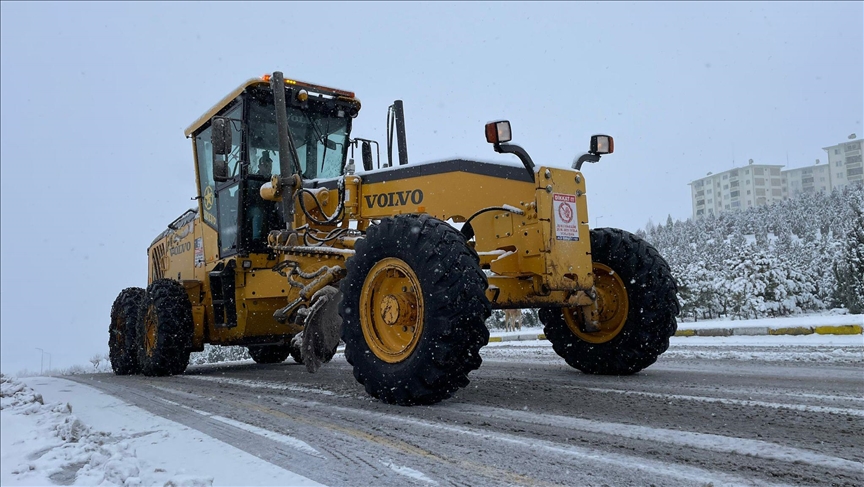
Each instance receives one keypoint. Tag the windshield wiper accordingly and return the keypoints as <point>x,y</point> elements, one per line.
<point>326,145</point>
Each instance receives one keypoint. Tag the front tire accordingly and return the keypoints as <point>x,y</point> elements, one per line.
<point>414,310</point>
<point>122,346</point>
<point>638,305</point>
<point>165,329</point>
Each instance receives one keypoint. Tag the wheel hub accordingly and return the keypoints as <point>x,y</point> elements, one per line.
<point>399,309</point>
<point>612,307</point>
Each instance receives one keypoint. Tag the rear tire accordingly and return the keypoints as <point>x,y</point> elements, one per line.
<point>269,354</point>
<point>122,346</point>
<point>413,310</point>
<point>651,302</point>
<point>164,329</point>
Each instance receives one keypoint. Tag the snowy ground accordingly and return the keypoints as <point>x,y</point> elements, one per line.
<point>77,435</point>
<point>108,442</point>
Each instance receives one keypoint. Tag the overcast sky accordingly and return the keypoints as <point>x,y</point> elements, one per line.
<point>95,98</point>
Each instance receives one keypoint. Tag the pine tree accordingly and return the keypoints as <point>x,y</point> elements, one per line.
<point>849,271</point>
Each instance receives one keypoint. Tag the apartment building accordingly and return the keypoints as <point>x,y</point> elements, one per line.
<point>737,189</point>
<point>764,184</point>
<point>809,180</point>
<point>844,159</point>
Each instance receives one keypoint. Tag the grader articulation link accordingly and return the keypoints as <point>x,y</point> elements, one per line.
<point>370,258</point>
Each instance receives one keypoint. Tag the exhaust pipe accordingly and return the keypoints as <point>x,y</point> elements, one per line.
<point>396,115</point>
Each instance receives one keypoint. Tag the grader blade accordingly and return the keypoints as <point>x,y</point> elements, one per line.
<point>323,328</point>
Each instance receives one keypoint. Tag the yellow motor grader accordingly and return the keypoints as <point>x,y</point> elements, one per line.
<point>290,249</point>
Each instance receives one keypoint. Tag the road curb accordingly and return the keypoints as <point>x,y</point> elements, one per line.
<point>764,330</point>
<point>725,332</point>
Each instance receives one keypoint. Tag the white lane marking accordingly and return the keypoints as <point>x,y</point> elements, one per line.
<point>272,435</point>
<point>198,411</point>
<point>263,385</point>
<point>628,463</point>
<point>737,402</point>
<point>826,397</point>
<point>702,441</point>
<point>408,472</point>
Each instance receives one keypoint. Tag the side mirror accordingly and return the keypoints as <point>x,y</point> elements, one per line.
<point>602,144</point>
<point>220,170</point>
<point>366,149</point>
<point>220,135</point>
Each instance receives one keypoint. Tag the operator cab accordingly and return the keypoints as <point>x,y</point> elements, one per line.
<point>319,121</point>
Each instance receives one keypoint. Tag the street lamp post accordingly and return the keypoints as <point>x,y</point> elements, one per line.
<point>41,359</point>
<point>596,219</point>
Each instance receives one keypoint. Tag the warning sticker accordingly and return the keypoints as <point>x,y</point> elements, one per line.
<point>566,220</point>
<point>199,252</point>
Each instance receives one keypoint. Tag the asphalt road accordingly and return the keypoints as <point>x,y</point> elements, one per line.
<point>532,420</point>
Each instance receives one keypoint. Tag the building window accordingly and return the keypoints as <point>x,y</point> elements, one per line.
<point>851,159</point>
<point>853,146</point>
<point>710,201</point>
<point>839,175</point>
<point>735,194</point>
<point>733,184</point>
<point>760,182</point>
<point>822,179</point>
<point>838,163</point>
<point>748,182</point>
<point>727,207</point>
<point>709,191</point>
<point>725,186</point>
<point>699,212</point>
<point>736,204</point>
<point>836,151</point>
<point>776,192</point>
<point>700,202</point>
<point>854,172</point>
<point>775,182</point>
<point>748,191</point>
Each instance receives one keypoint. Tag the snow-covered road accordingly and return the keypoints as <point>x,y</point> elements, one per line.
<point>771,410</point>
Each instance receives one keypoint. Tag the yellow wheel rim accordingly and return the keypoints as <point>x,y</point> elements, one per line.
<point>150,331</point>
<point>391,310</point>
<point>612,307</point>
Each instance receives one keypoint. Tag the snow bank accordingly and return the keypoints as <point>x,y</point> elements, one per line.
<point>46,444</point>
<point>109,442</point>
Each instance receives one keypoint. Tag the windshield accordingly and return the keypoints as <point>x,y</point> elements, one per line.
<point>320,139</point>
